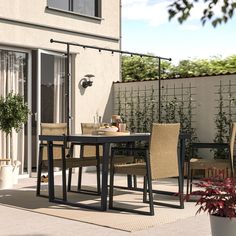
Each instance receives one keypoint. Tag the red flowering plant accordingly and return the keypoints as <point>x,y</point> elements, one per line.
<point>218,197</point>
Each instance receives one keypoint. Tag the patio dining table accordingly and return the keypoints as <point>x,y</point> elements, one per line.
<point>105,141</point>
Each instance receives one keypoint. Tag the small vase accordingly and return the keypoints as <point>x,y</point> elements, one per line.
<point>222,226</point>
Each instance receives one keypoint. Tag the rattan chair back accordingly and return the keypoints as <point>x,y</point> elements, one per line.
<point>53,129</point>
<point>164,150</point>
<point>89,128</point>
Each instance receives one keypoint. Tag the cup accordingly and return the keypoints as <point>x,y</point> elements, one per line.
<point>122,127</point>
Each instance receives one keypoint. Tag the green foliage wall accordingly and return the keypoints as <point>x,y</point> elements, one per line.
<point>204,106</point>
<point>138,69</point>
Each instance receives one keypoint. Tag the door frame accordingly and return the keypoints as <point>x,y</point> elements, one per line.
<point>38,98</point>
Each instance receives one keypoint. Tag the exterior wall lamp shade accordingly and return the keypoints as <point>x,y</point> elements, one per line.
<point>87,81</point>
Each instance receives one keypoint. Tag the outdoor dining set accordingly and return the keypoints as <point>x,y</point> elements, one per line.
<point>162,154</point>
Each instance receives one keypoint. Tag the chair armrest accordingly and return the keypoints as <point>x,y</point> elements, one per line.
<point>129,151</point>
<point>54,145</point>
<point>129,148</point>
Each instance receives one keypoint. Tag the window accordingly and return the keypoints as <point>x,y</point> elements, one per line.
<point>61,4</point>
<point>84,7</point>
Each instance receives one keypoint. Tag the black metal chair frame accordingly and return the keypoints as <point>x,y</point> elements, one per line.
<point>70,154</point>
<point>207,146</point>
<point>149,184</point>
<point>40,165</point>
<point>79,186</point>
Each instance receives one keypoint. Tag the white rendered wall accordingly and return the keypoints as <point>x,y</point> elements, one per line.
<point>103,65</point>
<point>29,25</point>
<point>204,93</point>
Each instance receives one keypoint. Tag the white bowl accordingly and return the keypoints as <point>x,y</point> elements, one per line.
<point>110,129</point>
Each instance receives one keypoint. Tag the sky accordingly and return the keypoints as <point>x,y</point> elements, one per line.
<point>146,29</point>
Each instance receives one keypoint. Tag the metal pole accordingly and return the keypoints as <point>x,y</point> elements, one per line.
<point>159,88</point>
<point>112,51</point>
<point>67,88</point>
<point>109,50</point>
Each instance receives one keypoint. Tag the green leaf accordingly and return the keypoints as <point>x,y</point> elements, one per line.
<point>13,112</point>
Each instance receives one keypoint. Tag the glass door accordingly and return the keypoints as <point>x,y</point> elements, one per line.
<point>15,76</point>
<point>50,90</point>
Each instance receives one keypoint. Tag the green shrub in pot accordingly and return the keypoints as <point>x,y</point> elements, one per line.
<point>13,114</point>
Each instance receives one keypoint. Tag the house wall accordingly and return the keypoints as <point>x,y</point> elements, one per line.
<point>16,23</point>
<point>29,24</point>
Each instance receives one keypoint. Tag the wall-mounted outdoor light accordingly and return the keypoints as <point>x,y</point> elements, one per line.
<point>87,80</point>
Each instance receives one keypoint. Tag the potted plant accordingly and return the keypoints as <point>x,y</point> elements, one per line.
<point>217,196</point>
<point>13,114</point>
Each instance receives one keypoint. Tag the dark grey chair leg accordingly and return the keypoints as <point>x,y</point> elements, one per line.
<point>191,181</point>
<point>188,182</point>
<point>69,180</point>
<point>181,193</point>
<point>135,181</point>
<point>70,154</point>
<point>149,184</point>
<point>79,178</point>
<point>64,174</point>
<point>111,189</point>
<point>144,189</point>
<point>80,169</point>
<point>188,177</point>
<point>39,170</point>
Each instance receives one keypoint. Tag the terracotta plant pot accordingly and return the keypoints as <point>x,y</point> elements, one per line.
<point>222,226</point>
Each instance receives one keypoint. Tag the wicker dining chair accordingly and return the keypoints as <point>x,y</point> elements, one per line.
<point>58,149</point>
<point>94,151</point>
<point>90,152</point>
<point>213,167</point>
<point>49,129</point>
<point>161,161</point>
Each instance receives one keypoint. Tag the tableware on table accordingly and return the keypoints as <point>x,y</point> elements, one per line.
<point>116,120</point>
<point>122,127</point>
<point>110,129</point>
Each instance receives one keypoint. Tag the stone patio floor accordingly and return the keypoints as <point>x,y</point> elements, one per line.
<point>15,221</point>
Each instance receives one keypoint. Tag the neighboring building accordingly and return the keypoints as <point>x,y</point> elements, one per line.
<point>34,67</point>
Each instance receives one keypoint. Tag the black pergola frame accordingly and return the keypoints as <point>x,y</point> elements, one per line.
<point>68,75</point>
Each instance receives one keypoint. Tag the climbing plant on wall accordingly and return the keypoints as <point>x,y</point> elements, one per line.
<point>140,108</point>
<point>223,118</point>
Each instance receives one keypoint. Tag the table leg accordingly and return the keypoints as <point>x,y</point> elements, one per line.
<point>51,194</point>
<point>105,161</point>
<point>129,181</point>
<point>181,174</point>
<point>129,177</point>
